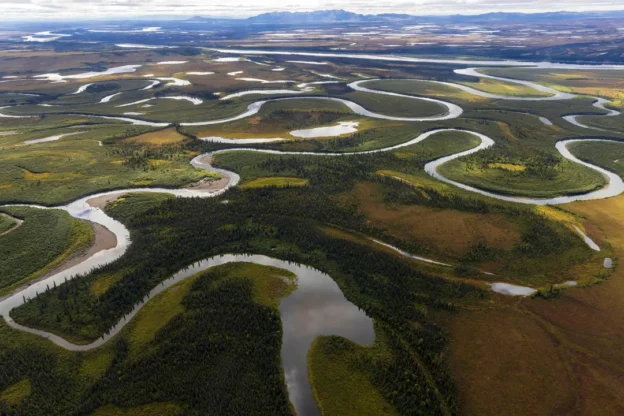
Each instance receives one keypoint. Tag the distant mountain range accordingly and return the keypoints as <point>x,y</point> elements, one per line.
<point>320,16</point>
<point>343,16</point>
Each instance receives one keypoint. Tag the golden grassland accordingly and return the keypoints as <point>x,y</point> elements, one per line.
<point>559,356</point>
<point>504,363</point>
<point>34,176</point>
<point>279,181</point>
<point>444,272</point>
<point>506,129</point>
<point>418,181</point>
<point>259,128</point>
<point>601,83</point>
<point>507,166</point>
<point>63,170</point>
<point>557,214</point>
<point>103,283</point>
<point>427,89</point>
<point>448,235</point>
<point>453,232</point>
<point>158,138</point>
<point>505,88</point>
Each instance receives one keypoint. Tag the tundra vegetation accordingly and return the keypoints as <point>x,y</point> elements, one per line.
<point>222,328</point>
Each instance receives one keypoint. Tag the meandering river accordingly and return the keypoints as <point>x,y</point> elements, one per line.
<point>317,306</point>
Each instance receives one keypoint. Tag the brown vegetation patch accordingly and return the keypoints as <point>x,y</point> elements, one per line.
<point>158,138</point>
<point>506,130</point>
<point>506,364</point>
<point>35,176</point>
<point>446,230</point>
<point>559,356</point>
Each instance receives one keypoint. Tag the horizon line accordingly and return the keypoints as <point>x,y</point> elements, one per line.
<point>169,16</point>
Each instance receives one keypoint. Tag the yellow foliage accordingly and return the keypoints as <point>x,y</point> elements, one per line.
<point>33,176</point>
<point>157,138</point>
<point>14,394</point>
<point>507,166</point>
<point>274,181</point>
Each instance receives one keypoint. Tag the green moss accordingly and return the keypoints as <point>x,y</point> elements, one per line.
<point>14,394</point>
<point>341,386</point>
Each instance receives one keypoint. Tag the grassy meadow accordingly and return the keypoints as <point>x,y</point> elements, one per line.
<point>276,181</point>
<point>609,155</point>
<point>508,89</point>
<point>567,178</point>
<point>44,240</point>
<point>7,223</point>
<point>602,83</point>
<point>56,172</point>
<point>221,328</point>
<point>338,374</point>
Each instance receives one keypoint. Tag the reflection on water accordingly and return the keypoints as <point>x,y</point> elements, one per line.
<point>316,307</point>
<point>512,290</point>
<point>607,263</point>
<point>343,127</point>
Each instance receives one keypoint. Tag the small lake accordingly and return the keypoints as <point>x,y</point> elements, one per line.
<point>342,127</point>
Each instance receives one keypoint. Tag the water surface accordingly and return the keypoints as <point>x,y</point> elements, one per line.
<point>343,127</point>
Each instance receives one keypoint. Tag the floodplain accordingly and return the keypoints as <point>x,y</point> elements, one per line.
<point>309,227</point>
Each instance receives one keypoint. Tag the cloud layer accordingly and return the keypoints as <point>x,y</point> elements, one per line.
<point>54,9</point>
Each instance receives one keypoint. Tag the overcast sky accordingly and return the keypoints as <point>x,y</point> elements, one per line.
<point>54,9</point>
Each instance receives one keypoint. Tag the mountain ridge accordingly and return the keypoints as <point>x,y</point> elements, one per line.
<point>344,16</point>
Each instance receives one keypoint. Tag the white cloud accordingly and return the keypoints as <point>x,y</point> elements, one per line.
<point>51,9</point>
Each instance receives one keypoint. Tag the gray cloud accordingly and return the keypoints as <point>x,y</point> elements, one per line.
<point>15,9</point>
